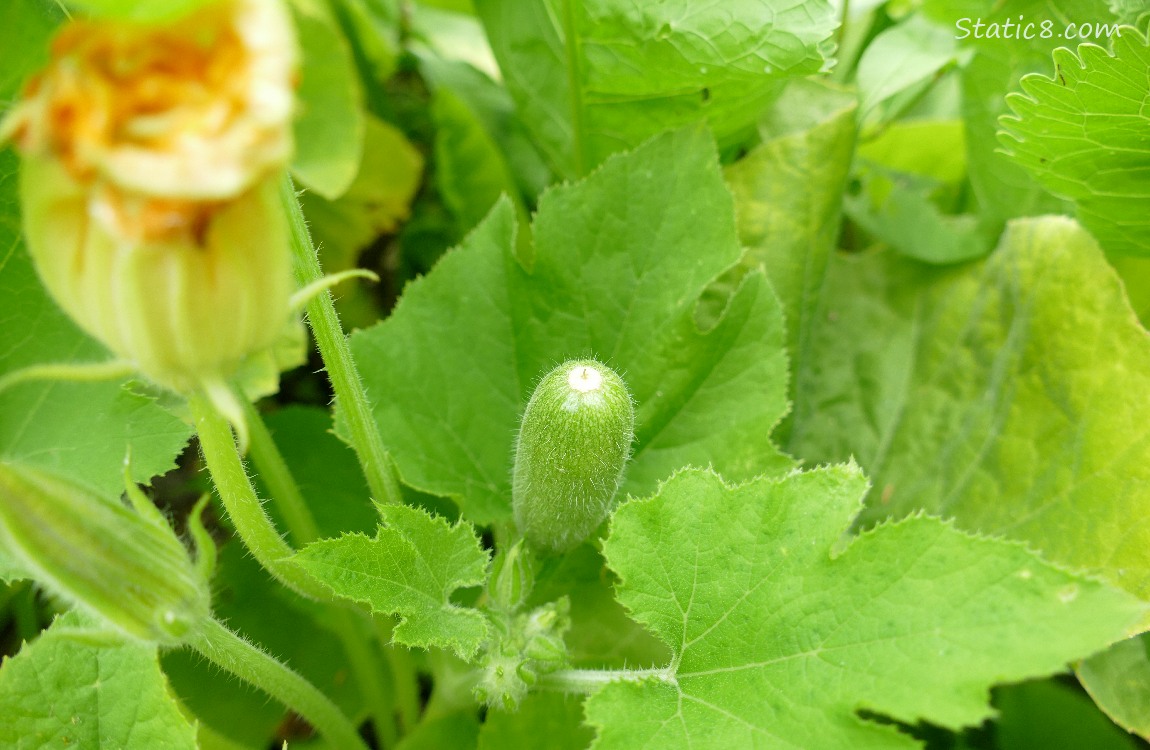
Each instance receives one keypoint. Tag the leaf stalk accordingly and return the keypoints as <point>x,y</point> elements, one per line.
<point>336,353</point>
<point>233,654</point>
<point>243,506</point>
<point>587,681</point>
<point>303,529</point>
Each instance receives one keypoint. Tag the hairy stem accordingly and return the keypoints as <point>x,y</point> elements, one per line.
<point>243,506</point>
<point>276,475</point>
<point>303,529</point>
<point>590,680</point>
<point>370,674</point>
<point>341,369</point>
<point>233,654</point>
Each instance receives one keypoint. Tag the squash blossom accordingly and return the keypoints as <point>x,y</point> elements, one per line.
<point>148,186</point>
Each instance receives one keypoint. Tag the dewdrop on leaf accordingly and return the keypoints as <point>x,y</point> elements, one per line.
<point>574,440</point>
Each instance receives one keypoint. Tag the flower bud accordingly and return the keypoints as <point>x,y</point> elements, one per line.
<point>129,570</point>
<point>185,308</point>
<point>523,647</point>
<point>543,630</point>
<point>152,155</point>
<point>512,577</point>
<point>574,440</point>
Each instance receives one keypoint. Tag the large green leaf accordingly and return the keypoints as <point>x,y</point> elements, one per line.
<point>65,690</point>
<point>788,195</point>
<point>1118,679</point>
<point>410,568</point>
<point>329,129</point>
<point>1082,134</point>
<point>553,719</point>
<point>592,77</point>
<point>620,261</point>
<point>472,171</point>
<point>998,393</point>
<point>902,57</point>
<point>780,635</point>
<point>25,28</point>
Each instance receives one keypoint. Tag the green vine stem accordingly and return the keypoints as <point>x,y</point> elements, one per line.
<point>278,479</point>
<point>243,506</point>
<point>233,654</point>
<point>341,369</point>
<point>302,528</point>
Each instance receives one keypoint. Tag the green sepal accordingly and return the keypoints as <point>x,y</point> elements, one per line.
<point>574,440</point>
<point>512,577</point>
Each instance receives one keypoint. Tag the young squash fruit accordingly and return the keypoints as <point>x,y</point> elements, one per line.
<point>574,440</point>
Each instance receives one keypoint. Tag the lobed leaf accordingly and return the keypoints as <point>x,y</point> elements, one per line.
<point>592,77</point>
<point>781,633</point>
<point>411,568</point>
<point>554,716</point>
<point>329,129</point>
<point>997,393</point>
<point>1082,134</point>
<point>67,690</point>
<point>1118,679</point>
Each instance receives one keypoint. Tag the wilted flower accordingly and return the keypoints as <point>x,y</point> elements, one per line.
<point>149,185</point>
